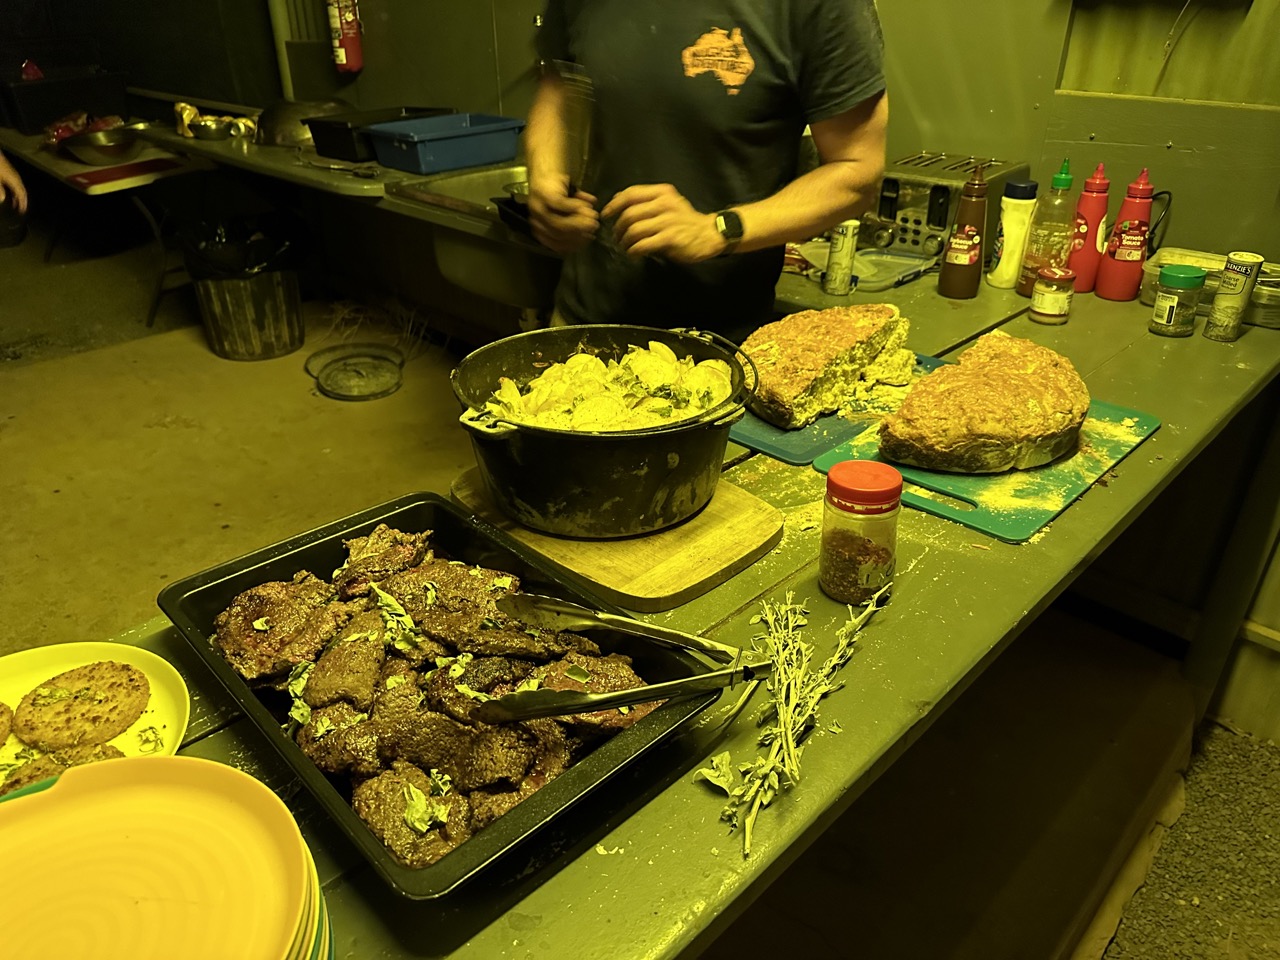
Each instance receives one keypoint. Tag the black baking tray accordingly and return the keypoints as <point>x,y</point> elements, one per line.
<point>341,135</point>
<point>193,602</point>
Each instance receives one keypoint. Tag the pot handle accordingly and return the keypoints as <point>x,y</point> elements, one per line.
<point>726,344</point>
<point>732,417</point>
<point>485,424</point>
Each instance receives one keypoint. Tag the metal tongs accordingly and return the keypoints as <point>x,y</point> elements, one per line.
<point>554,614</point>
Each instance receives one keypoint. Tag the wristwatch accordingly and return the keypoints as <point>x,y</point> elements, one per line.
<point>729,225</point>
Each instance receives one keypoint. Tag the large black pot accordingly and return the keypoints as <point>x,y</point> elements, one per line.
<point>596,486</point>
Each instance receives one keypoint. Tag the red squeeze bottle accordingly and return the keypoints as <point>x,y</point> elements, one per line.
<point>1120,269</point>
<point>1089,240</point>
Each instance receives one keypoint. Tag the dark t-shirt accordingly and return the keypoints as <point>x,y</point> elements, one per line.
<point>711,96</point>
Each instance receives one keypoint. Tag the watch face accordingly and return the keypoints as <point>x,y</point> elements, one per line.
<point>730,225</point>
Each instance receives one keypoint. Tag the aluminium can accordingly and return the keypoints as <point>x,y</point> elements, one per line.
<point>1239,275</point>
<point>838,278</point>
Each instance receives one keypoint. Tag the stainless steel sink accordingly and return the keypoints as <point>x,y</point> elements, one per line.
<point>469,191</point>
<point>478,252</point>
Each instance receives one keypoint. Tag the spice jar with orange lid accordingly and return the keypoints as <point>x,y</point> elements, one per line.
<point>859,530</point>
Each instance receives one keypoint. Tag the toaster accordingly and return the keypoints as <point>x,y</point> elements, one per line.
<point>920,194</point>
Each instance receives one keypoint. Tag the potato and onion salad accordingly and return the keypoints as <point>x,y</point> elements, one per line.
<point>649,387</point>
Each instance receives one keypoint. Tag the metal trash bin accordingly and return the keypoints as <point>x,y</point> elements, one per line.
<point>249,301</point>
<point>254,319</point>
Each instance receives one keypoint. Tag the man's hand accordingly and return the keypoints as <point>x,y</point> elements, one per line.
<point>11,188</point>
<point>655,220</point>
<point>561,222</point>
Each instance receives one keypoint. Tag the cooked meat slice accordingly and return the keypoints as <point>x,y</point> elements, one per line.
<point>349,669</point>
<point>552,758</point>
<point>604,675</point>
<point>33,771</point>
<point>499,754</point>
<point>6,722</point>
<point>269,629</point>
<point>399,696</point>
<point>418,827</point>
<point>447,687</point>
<point>89,753</point>
<point>513,638</point>
<point>90,704</point>
<point>472,756</point>
<point>56,764</point>
<point>383,552</point>
<point>338,739</point>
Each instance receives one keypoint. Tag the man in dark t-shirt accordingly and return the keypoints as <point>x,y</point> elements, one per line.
<point>690,191</point>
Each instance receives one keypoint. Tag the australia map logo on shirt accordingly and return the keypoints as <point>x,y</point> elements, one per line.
<point>722,54</point>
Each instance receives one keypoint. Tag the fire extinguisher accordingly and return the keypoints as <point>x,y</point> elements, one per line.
<point>344,26</point>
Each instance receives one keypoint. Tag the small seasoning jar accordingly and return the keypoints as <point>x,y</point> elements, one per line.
<point>1051,295</point>
<point>1178,292</point>
<point>859,530</point>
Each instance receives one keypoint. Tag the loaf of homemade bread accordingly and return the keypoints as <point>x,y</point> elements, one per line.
<point>1008,404</point>
<point>812,362</point>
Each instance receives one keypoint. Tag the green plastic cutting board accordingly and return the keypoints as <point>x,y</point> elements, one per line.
<point>1012,506</point>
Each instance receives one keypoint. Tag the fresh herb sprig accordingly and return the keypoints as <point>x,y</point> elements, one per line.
<point>796,690</point>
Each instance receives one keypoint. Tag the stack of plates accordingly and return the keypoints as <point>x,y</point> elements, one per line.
<point>158,857</point>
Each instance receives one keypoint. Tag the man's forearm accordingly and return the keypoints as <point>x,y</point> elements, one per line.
<point>810,204</point>
<point>851,147</point>
<point>544,129</point>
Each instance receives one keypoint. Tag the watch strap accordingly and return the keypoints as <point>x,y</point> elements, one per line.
<point>729,226</point>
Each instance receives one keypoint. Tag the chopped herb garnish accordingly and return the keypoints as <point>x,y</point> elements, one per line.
<point>502,583</point>
<point>529,683</point>
<point>575,672</point>
<point>478,695</point>
<point>489,623</point>
<point>421,812</point>
<point>402,632</point>
<point>458,664</point>
<point>322,726</point>
<point>300,712</point>
<point>47,695</point>
<point>149,740</point>
<point>395,681</point>
<point>298,677</point>
<point>441,783</point>
<point>262,623</point>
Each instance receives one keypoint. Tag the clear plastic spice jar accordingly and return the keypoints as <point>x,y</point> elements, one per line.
<point>859,529</point>
<point>1178,292</point>
<point>1051,295</point>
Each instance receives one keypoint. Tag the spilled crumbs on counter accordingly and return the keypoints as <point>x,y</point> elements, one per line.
<point>1053,486</point>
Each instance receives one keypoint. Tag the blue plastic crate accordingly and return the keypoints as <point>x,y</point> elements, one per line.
<point>432,144</point>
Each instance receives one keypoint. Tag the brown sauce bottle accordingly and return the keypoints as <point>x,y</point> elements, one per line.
<point>962,254</point>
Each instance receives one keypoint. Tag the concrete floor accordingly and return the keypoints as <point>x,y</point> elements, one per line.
<point>130,457</point>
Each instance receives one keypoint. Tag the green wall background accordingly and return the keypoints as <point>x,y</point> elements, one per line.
<point>1193,94</point>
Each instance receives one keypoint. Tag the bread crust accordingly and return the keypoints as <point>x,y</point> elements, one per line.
<point>810,362</point>
<point>1008,404</point>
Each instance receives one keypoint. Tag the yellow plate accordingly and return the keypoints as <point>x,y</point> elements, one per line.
<point>167,711</point>
<point>151,859</point>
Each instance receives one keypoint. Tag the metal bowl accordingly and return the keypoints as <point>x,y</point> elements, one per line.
<point>518,191</point>
<point>210,128</point>
<point>282,124</point>
<point>104,148</point>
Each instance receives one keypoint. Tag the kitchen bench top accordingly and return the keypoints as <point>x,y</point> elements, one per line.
<point>645,868</point>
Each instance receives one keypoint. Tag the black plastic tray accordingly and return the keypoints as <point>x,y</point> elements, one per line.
<point>193,602</point>
<point>339,135</point>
